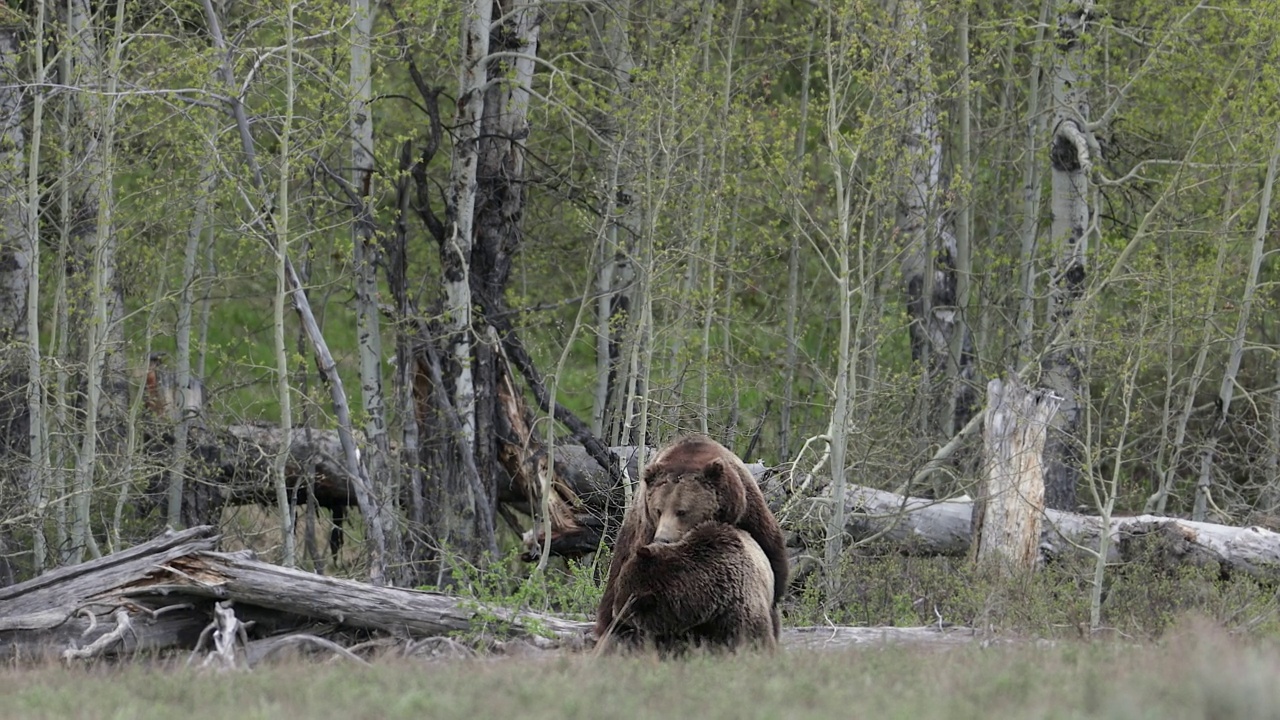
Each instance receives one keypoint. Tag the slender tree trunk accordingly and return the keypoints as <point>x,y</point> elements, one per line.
<point>37,410</point>
<point>1029,232</point>
<point>960,359</point>
<point>1071,161</point>
<point>1227,390</point>
<point>365,247</point>
<point>793,261</point>
<point>412,415</point>
<point>929,259</point>
<point>838,429</point>
<point>455,250</point>
<point>499,211</point>
<point>281,247</point>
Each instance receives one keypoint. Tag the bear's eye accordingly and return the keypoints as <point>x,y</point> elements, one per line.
<point>681,513</point>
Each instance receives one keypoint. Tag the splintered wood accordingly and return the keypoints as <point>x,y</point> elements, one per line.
<point>1006,519</point>
<point>172,592</point>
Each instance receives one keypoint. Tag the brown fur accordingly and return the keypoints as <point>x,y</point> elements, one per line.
<point>712,589</point>
<point>740,503</point>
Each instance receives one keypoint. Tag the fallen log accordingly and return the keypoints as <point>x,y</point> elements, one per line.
<point>160,595</point>
<point>923,526</point>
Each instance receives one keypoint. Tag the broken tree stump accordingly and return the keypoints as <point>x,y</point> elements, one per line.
<point>1006,516</point>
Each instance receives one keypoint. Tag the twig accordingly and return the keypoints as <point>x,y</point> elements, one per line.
<point>303,638</point>
<point>123,625</point>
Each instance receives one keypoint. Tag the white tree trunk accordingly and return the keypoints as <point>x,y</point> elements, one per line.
<point>843,164</point>
<point>281,252</point>
<point>37,415</point>
<point>1006,523</point>
<point>368,330</point>
<point>928,264</point>
<point>455,252</point>
<point>1073,146</point>
<point>1227,390</point>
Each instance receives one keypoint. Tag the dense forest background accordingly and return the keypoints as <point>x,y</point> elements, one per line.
<point>447,237</point>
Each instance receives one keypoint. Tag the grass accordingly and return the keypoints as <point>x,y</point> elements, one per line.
<point>1197,671</point>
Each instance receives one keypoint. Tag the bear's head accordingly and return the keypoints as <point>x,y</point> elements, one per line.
<point>679,497</point>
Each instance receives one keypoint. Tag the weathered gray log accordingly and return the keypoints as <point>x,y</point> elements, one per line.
<point>1006,516</point>
<point>66,590</point>
<point>238,577</point>
<point>165,591</point>
<point>941,527</point>
<point>73,607</point>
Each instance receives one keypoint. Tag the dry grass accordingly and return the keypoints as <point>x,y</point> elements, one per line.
<point>1197,671</point>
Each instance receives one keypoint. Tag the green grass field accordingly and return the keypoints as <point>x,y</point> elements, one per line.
<point>1196,671</point>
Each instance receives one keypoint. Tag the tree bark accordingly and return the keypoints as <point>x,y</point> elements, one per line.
<point>1006,517</point>
<point>1072,148</point>
<point>1031,173</point>
<point>377,454</point>
<point>456,244</point>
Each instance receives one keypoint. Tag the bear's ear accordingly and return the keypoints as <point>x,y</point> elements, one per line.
<point>651,475</point>
<point>714,470</point>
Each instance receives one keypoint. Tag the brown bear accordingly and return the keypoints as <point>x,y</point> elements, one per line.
<point>739,503</point>
<point>701,583</point>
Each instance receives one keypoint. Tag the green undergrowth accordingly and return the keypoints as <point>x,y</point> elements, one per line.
<point>1197,671</point>
<point>1140,599</point>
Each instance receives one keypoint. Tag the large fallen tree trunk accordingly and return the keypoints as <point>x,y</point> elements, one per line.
<point>933,527</point>
<point>163,594</point>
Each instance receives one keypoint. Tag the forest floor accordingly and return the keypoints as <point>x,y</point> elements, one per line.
<point>1195,671</point>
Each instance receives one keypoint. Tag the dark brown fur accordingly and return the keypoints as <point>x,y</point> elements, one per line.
<point>713,589</point>
<point>742,505</point>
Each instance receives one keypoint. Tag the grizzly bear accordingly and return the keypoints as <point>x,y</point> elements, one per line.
<point>739,503</point>
<point>701,583</point>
